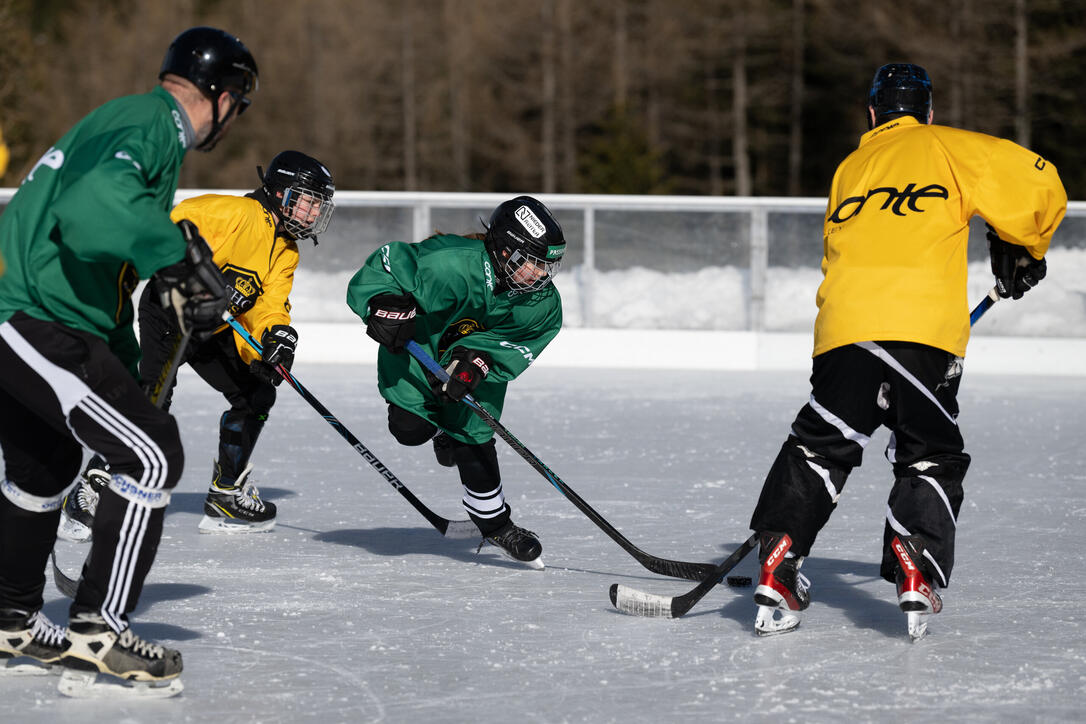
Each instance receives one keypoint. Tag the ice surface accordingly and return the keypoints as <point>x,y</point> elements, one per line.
<point>354,610</point>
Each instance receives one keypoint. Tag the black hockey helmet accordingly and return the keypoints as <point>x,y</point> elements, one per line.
<point>299,189</point>
<point>214,61</point>
<point>900,89</point>
<point>525,243</point>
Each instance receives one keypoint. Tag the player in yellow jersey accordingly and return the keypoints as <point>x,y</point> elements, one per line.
<point>254,242</point>
<point>891,332</point>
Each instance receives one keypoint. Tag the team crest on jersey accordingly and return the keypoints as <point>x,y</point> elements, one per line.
<point>458,330</point>
<point>243,288</point>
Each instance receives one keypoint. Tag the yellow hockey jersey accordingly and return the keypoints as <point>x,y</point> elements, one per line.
<point>897,227</point>
<point>258,265</point>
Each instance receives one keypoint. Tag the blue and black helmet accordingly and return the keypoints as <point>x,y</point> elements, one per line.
<point>900,89</point>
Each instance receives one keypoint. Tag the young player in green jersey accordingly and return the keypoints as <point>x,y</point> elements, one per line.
<point>483,305</point>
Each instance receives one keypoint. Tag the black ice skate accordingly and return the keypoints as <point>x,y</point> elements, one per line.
<point>782,590</point>
<point>236,508</point>
<point>915,593</point>
<point>517,543</point>
<point>150,669</point>
<point>77,511</point>
<point>29,642</point>
<point>443,450</point>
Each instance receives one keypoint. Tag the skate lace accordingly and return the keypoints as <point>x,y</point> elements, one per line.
<point>46,631</point>
<point>87,497</point>
<point>514,534</point>
<point>249,498</point>
<point>133,642</point>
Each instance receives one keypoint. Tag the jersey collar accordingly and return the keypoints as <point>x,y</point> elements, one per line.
<point>889,127</point>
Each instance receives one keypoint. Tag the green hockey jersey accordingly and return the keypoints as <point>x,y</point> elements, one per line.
<point>453,282</point>
<point>92,218</point>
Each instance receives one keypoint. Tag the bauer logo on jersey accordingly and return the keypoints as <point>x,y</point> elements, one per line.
<point>530,222</point>
<point>892,199</point>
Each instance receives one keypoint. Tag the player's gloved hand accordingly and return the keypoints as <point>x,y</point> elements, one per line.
<point>392,320</point>
<point>277,343</point>
<point>1014,268</point>
<point>193,288</point>
<point>466,369</point>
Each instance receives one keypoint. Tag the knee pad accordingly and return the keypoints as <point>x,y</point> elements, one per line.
<point>28,502</point>
<point>127,487</point>
<point>408,428</point>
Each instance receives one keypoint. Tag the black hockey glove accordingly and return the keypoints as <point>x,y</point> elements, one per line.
<point>193,288</point>
<point>466,369</point>
<point>392,320</point>
<point>1014,268</point>
<point>278,343</point>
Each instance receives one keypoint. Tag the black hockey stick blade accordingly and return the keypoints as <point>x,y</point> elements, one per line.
<point>661,566</point>
<point>638,603</point>
<point>65,585</point>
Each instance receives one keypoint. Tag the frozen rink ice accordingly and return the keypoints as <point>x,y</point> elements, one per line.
<point>355,610</point>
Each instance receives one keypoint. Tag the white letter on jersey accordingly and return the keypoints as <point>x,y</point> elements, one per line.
<point>53,158</point>
<point>123,155</point>
<point>520,348</point>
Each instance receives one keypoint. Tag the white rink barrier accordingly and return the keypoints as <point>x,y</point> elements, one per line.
<point>337,342</point>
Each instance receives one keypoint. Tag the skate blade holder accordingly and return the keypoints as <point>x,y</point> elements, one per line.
<point>773,620</point>
<point>917,622</point>
<point>92,685</point>
<point>26,666</point>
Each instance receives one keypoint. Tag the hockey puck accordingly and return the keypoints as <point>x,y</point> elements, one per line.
<point>739,581</point>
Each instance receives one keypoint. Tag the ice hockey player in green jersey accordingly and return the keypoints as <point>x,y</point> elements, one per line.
<point>90,220</point>
<point>484,306</point>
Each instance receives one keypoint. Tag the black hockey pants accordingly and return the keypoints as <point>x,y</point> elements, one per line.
<point>911,389</point>
<point>483,498</point>
<point>217,361</point>
<point>62,390</point>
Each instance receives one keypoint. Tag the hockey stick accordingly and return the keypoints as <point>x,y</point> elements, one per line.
<point>983,306</point>
<point>662,566</point>
<point>638,603</point>
<point>167,374</point>
<point>447,528</point>
<point>67,586</point>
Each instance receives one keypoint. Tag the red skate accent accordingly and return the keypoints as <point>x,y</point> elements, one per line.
<point>769,588</point>
<point>913,592</point>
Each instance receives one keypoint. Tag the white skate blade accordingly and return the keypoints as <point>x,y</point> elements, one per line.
<point>72,530</point>
<point>918,625</point>
<point>769,623</point>
<point>226,525</point>
<point>90,685</point>
<point>639,603</point>
<point>26,666</point>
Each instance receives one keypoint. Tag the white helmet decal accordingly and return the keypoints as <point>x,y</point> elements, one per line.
<point>530,222</point>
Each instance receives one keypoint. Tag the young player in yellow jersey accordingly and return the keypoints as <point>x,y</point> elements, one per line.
<point>891,332</point>
<point>254,242</point>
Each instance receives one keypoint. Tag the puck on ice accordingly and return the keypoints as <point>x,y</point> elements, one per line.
<point>739,581</point>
